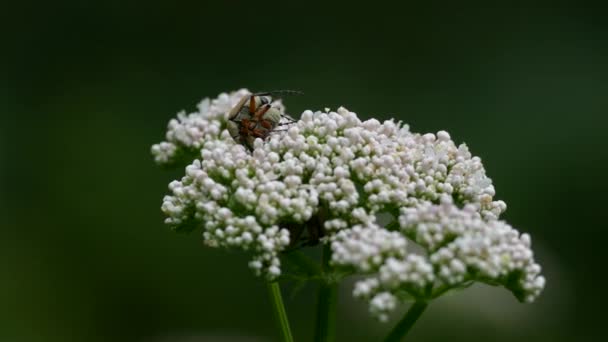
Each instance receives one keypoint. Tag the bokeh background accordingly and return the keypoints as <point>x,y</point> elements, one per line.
<point>86,88</point>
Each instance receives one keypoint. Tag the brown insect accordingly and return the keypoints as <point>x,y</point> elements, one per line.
<point>254,116</point>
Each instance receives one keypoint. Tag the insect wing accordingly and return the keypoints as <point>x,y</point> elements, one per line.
<point>238,108</point>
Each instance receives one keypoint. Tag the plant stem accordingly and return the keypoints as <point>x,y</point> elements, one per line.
<point>326,302</point>
<point>406,323</point>
<point>279,311</point>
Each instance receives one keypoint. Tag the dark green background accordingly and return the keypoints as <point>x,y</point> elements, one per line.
<point>86,89</point>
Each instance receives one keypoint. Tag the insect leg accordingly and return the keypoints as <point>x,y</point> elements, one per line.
<point>266,124</point>
<point>287,117</point>
<point>258,133</point>
<point>251,104</point>
<point>261,111</point>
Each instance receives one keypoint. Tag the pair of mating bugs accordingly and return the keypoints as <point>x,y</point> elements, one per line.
<point>254,116</point>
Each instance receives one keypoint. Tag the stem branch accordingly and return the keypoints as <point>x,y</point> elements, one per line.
<point>279,311</point>
<point>406,323</point>
<point>326,302</point>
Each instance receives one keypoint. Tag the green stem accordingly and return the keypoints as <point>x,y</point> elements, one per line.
<point>326,302</point>
<point>279,311</point>
<point>406,323</point>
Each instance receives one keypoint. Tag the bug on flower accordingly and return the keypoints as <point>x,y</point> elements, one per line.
<point>254,116</point>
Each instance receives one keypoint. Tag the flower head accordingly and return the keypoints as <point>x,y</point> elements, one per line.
<point>335,172</point>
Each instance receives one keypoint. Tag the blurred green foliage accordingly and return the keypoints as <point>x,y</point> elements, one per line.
<point>86,88</point>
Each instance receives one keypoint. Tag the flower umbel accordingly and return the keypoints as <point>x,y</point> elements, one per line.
<point>337,173</point>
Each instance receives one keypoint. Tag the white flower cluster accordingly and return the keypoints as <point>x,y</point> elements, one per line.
<point>409,275</point>
<point>463,247</point>
<point>365,248</point>
<point>331,167</point>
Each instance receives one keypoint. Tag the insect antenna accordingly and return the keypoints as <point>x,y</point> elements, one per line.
<point>286,116</point>
<point>279,92</point>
